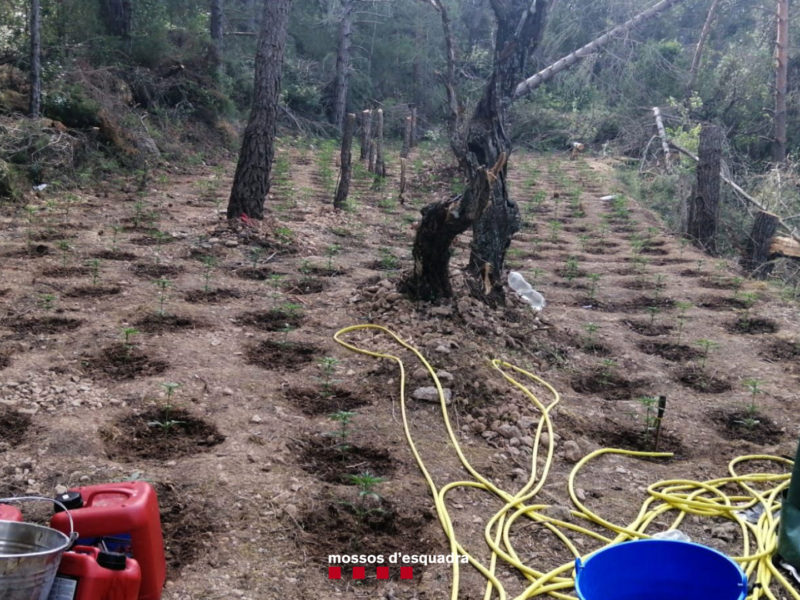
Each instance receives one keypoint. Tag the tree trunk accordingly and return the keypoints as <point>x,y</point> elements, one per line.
<point>343,64</point>
<point>757,250</point>
<point>703,206</point>
<point>251,181</point>
<point>781,81</point>
<point>216,29</point>
<point>346,159</point>
<point>698,52</point>
<point>485,205</point>
<point>35,104</point>
<point>371,156</point>
<point>117,17</point>
<point>380,165</point>
<point>406,138</point>
<point>366,133</point>
<point>662,133</point>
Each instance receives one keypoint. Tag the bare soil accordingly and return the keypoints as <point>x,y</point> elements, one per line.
<point>253,475</point>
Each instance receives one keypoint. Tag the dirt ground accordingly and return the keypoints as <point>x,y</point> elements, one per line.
<point>109,294</point>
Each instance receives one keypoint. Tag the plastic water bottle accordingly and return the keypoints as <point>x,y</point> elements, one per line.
<point>525,291</point>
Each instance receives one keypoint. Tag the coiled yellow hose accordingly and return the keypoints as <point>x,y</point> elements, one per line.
<point>682,497</point>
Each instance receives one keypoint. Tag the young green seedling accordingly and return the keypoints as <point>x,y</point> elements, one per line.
<point>327,365</point>
<point>343,417</point>
<point>94,269</point>
<point>162,283</point>
<point>366,483</point>
<point>754,385</point>
<point>209,262</point>
<point>706,346</point>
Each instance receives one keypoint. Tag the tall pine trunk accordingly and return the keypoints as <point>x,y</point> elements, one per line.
<point>343,64</point>
<point>251,181</point>
<point>35,105</point>
<point>216,29</point>
<point>781,81</point>
<point>117,15</point>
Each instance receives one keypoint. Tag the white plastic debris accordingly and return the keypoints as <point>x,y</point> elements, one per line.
<point>609,197</point>
<point>40,187</point>
<point>525,291</point>
<point>672,534</point>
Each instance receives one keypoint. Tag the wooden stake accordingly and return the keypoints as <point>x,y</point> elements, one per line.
<point>402,196</point>
<point>380,166</point>
<point>366,133</point>
<point>406,138</point>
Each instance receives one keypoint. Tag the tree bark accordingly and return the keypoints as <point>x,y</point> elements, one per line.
<point>781,81</point>
<point>755,259</point>
<point>343,64</point>
<point>216,29</point>
<point>346,159</point>
<point>702,212</point>
<point>35,104</point>
<point>251,181</point>
<point>117,17</point>
<point>662,133</point>
<point>380,165</point>
<point>564,63</point>
<point>701,42</point>
<point>366,133</point>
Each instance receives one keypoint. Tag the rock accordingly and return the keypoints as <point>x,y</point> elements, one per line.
<point>478,427</point>
<point>256,419</point>
<point>430,394</point>
<point>227,392</point>
<point>558,512</point>
<point>526,440</point>
<point>442,349</point>
<point>445,376</point>
<point>727,532</point>
<point>231,243</point>
<point>442,311</point>
<point>508,431</point>
<point>514,441</point>
<point>572,452</point>
<point>580,494</point>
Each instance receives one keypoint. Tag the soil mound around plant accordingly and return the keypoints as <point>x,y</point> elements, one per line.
<point>211,296</point>
<point>274,319</point>
<point>92,291</point>
<point>159,433</point>
<point>120,362</point>
<point>701,381</point>
<point>752,326</point>
<point>323,402</point>
<point>14,426</point>
<point>270,354</point>
<point>747,425</point>
<point>161,323</point>
<point>335,460</point>
<point>669,351</point>
<point>41,325</point>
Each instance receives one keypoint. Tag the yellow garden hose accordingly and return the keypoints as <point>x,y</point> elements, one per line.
<point>679,497</point>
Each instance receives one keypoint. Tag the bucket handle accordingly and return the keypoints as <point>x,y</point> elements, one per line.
<point>73,535</point>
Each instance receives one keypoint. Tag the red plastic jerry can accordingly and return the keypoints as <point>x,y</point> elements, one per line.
<point>10,513</point>
<point>89,573</point>
<point>120,517</point>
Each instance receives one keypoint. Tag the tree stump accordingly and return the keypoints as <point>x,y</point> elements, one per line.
<point>756,255</point>
<point>702,210</point>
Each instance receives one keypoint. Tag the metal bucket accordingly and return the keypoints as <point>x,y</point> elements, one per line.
<point>29,556</point>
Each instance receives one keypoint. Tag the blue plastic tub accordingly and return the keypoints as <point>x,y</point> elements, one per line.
<point>659,570</point>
